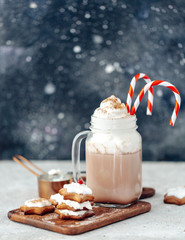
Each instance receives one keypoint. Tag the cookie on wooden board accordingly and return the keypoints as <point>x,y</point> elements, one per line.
<point>37,206</point>
<point>75,206</point>
<point>77,192</point>
<point>75,215</point>
<point>56,199</point>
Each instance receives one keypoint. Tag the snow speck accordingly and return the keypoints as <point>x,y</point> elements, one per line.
<point>124,6</point>
<point>120,32</point>
<point>36,136</point>
<point>102,62</point>
<point>51,147</point>
<point>72,30</point>
<point>155,9</point>
<point>159,93</point>
<point>92,59</point>
<point>60,68</point>
<point>78,128</point>
<point>77,49</point>
<point>56,30</point>
<point>102,7</point>
<point>8,42</point>
<point>130,70</point>
<point>63,37</point>
<point>87,15</point>
<point>62,10</point>
<point>175,10</point>
<point>49,88</point>
<point>54,131</point>
<point>172,99</point>
<point>61,115</point>
<point>44,45</point>
<point>182,62</point>
<point>28,59</point>
<point>108,42</point>
<point>72,9</point>
<point>105,26</point>
<point>78,22</point>
<point>109,68</point>
<point>97,39</point>
<point>117,67</point>
<point>33,5</point>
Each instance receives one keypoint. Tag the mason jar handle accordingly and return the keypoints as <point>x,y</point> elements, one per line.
<point>76,153</point>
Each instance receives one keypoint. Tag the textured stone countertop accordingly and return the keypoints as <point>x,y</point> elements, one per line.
<point>164,221</point>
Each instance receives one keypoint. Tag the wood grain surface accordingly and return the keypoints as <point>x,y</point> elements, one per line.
<point>103,216</point>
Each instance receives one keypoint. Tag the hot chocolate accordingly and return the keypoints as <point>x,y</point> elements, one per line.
<point>113,154</point>
<point>125,186</point>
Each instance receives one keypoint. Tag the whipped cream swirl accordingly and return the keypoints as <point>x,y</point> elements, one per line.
<point>111,108</point>
<point>114,129</point>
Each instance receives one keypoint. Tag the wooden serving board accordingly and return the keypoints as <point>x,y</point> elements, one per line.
<point>103,216</point>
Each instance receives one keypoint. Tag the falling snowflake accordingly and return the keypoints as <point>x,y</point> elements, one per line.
<point>77,49</point>
<point>97,39</point>
<point>33,5</point>
<point>49,88</point>
<point>109,68</point>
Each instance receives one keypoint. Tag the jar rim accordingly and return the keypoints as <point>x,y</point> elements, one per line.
<point>128,122</point>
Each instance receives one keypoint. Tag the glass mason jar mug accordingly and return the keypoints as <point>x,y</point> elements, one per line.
<point>113,159</point>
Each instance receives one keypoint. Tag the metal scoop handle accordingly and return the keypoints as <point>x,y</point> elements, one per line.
<point>20,160</point>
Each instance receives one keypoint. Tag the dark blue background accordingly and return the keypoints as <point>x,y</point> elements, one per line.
<point>59,59</point>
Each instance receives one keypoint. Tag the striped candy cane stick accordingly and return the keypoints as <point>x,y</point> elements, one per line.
<point>131,92</point>
<point>160,83</point>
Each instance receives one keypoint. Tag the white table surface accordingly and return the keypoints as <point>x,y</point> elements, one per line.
<point>164,221</point>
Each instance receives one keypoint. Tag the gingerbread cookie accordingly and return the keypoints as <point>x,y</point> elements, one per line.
<point>75,206</point>
<point>56,199</point>
<point>37,206</point>
<point>76,203</point>
<point>60,203</point>
<point>79,215</point>
<point>175,196</point>
<point>77,192</point>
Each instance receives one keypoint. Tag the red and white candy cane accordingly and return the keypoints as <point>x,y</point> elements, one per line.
<point>160,83</point>
<point>131,92</point>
